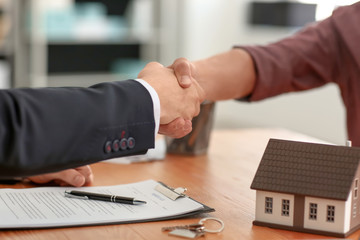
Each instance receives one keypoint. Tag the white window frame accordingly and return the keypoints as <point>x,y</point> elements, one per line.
<point>285,207</point>
<point>330,213</point>
<point>354,210</point>
<point>269,205</point>
<point>356,188</point>
<point>313,209</point>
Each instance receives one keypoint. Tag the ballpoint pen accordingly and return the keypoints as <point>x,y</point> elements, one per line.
<point>102,197</point>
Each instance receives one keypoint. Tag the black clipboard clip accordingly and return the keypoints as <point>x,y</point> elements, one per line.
<point>172,193</point>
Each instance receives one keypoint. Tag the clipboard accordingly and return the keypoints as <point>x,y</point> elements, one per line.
<point>179,194</point>
<point>47,207</point>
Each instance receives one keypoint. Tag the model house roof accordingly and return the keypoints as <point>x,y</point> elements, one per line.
<point>309,169</point>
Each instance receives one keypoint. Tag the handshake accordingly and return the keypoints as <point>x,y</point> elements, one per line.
<point>181,88</point>
<point>180,97</point>
<point>179,93</point>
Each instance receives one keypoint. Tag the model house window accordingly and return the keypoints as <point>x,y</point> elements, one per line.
<point>285,209</point>
<point>356,188</point>
<point>330,213</point>
<point>268,205</point>
<point>354,210</point>
<point>313,211</point>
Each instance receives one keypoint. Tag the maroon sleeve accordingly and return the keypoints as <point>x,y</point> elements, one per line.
<point>311,58</point>
<point>328,51</point>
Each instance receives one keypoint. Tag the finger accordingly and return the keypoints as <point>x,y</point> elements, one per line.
<point>200,91</point>
<point>182,69</point>
<point>87,173</point>
<point>43,178</point>
<point>66,177</point>
<point>149,67</point>
<point>177,128</point>
<point>70,177</point>
<point>154,64</point>
<point>179,133</point>
<point>197,110</point>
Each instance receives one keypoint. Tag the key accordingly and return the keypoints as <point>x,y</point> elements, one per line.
<point>196,227</point>
<point>222,225</point>
<point>186,233</point>
<point>194,230</point>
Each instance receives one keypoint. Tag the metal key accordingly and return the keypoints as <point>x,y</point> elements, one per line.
<point>194,230</point>
<point>186,233</point>
<point>196,227</point>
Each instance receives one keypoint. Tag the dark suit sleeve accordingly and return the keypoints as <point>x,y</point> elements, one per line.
<point>50,129</point>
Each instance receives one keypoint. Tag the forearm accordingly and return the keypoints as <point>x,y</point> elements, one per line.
<point>229,75</point>
<point>51,129</point>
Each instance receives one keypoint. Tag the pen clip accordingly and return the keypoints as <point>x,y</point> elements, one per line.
<point>69,195</point>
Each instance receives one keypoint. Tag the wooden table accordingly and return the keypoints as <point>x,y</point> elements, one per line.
<point>221,179</point>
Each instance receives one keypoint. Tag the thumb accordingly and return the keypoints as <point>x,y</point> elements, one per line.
<point>182,70</point>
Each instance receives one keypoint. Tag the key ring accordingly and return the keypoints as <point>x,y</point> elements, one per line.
<point>214,219</point>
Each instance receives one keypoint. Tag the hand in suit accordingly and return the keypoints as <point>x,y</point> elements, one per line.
<point>175,101</point>
<point>184,71</point>
<point>170,94</point>
<point>175,118</point>
<point>77,177</point>
<point>178,128</point>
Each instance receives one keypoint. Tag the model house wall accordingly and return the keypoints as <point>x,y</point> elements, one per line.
<point>341,223</point>
<point>276,216</point>
<point>355,201</point>
<point>342,213</point>
<point>308,187</point>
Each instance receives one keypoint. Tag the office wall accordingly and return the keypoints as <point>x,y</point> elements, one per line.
<point>212,26</point>
<point>200,28</point>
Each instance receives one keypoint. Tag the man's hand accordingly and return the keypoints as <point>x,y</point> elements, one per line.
<point>228,75</point>
<point>177,128</point>
<point>175,101</point>
<point>77,177</point>
<point>185,71</point>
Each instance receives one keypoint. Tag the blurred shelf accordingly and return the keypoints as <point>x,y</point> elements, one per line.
<point>83,80</point>
<point>65,58</point>
<point>114,7</point>
<point>82,42</point>
<point>93,42</point>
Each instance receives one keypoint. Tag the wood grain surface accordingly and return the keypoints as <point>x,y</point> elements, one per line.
<point>220,179</point>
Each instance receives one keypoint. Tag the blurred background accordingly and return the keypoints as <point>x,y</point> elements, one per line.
<point>83,42</point>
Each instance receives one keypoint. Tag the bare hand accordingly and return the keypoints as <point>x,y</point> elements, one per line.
<point>177,128</point>
<point>175,101</point>
<point>185,71</point>
<point>77,177</point>
<point>228,75</point>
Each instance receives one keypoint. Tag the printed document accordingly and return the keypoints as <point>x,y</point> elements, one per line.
<point>48,207</point>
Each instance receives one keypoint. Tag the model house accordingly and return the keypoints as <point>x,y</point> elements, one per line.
<point>308,187</point>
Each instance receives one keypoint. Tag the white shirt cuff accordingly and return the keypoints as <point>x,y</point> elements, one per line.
<point>156,103</point>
